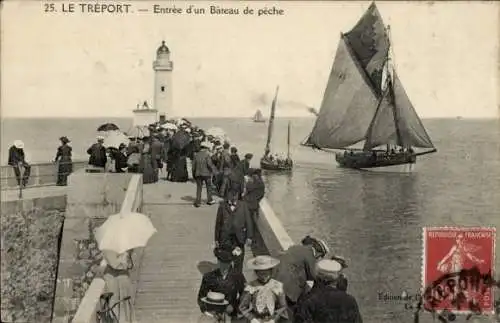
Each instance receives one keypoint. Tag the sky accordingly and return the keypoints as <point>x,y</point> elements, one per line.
<point>90,65</point>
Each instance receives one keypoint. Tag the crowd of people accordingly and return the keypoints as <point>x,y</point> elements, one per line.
<point>168,147</point>
<point>301,285</point>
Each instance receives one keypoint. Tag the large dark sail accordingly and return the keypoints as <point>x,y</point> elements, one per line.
<point>370,44</point>
<point>348,105</point>
<point>396,121</point>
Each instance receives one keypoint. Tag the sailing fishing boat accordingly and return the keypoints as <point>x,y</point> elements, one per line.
<point>365,101</point>
<point>258,117</point>
<point>270,161</point>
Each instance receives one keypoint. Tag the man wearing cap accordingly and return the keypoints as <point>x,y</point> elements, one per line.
<point>97,153</point>
<point>17,159</point>
<point>224,280</point>
<point>202,169</point>
<point>297,267</point>
<point>327,303</point>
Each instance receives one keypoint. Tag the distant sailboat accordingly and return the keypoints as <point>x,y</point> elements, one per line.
<point>270,161</point>
<point>258,117</point>
<point>365,101</point>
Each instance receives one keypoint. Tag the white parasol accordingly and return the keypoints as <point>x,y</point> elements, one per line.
<point>124,231</point>
<point>169,126</point>
<point>114,139</point>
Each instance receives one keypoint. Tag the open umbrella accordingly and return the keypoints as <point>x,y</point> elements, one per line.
<point>108,127</point>
<point>114,139</point>
<point>124,231</point>
<point>180,140</point>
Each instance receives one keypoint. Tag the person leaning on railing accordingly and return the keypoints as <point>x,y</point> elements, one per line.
<point>17,159</point>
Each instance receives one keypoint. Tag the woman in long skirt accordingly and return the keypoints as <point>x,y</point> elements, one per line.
<point>149,167</point>
<point>117,278</point>
<point>63,156</point>
<point>180,173</point>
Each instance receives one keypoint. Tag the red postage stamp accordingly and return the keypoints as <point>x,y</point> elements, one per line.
<point>458,269</point>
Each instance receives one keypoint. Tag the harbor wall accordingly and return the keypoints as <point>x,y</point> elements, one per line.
<point>91,198</point>
<point>42,174</point>
<point>30,232</point>
<point>271,237</point>
<point>89,304</point>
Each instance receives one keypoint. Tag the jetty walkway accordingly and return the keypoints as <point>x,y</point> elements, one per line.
<point>170,277</point>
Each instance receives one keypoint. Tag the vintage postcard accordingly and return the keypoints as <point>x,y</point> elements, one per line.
<point>249,161</point>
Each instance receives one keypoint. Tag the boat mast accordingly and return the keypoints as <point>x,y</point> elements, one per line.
<point>390,73</point>
<point>288,141</point>
<point>271,123</point>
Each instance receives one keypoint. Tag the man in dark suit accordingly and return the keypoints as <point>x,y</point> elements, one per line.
<point>254,192</point>
<point>157,151</point>
<point>225,169</point>
<point>326,303</point>
<point>202,169</point>
<point>97,153</point>
<point>238,173</point>
<point>234,226</point>
<point>225,280</point>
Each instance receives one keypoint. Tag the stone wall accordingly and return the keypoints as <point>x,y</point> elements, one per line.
<point>91,198</point>
<point>30,232</point>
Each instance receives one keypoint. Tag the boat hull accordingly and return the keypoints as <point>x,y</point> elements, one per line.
<point>377,161</point>
<point>266,164</point>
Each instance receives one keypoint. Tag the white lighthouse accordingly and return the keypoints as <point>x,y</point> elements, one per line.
<point>163,68</point>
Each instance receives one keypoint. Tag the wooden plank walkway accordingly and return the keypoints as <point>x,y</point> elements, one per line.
<point>169,278</point>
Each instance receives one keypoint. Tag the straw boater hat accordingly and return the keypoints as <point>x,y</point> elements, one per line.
<point>214,298</point>
<point>318,244</point>
<point>19,144</point>
<point>323,247</point>
<point>262,263</point>
<point>328,269</point>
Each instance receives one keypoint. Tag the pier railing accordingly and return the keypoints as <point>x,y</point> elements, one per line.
<point>89,305</point>
<point>42,174</point>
